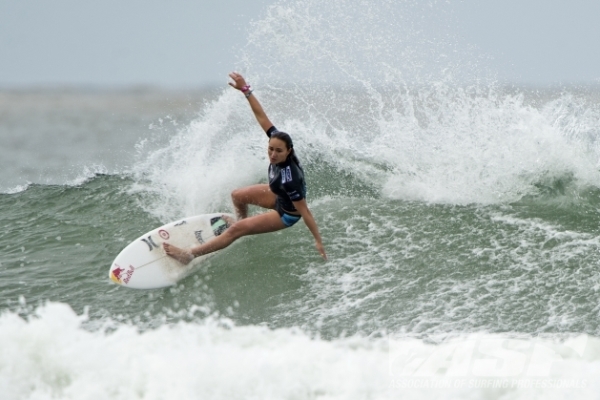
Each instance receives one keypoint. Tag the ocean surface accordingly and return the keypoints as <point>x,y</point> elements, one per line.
<point>461,221</point>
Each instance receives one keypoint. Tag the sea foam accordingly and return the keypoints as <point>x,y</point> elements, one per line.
<point>50,355</point>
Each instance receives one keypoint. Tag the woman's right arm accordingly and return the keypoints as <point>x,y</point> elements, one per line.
<point>240,84</point>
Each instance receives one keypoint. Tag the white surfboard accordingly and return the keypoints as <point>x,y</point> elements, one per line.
<point>143,264</point>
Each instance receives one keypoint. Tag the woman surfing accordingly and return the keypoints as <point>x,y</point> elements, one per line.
<point>285,194</point>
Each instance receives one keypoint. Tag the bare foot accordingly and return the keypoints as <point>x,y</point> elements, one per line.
<point>230,221</point>
<point>181,255</point>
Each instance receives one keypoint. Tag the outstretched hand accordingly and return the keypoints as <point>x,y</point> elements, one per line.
<point>321,250</point>
<point>238,81</point>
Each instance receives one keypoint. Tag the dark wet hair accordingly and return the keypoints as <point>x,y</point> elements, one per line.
<point>288,144</point>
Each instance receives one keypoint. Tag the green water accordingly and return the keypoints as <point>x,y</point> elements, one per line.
<point>395,266</point>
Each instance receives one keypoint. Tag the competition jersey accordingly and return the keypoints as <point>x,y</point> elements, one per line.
<point>286,180</point>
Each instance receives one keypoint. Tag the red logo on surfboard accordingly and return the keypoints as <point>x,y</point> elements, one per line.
<point>164,234</point>
<point>117,276</point>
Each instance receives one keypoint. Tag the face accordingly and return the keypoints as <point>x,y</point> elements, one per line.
<point>278,151</point>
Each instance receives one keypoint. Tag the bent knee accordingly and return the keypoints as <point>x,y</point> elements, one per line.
<point>237,194</point>
<point>258,195</point>
<point>245,194</point>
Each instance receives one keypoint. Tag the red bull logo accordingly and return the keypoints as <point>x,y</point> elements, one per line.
<point>120,275</point>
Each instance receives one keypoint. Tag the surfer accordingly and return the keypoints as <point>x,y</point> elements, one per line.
<point>285,194</point>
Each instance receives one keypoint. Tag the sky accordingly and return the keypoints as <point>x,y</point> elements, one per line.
<point>190,44</point>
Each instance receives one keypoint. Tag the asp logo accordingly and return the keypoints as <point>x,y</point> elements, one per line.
<point>488,357</point>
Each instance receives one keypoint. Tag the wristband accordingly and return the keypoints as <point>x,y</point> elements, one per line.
<point>245,89</point>
<point>248,93</point>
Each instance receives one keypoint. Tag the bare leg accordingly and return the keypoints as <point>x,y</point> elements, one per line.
<point>262,223</point>
<point>258,195</point>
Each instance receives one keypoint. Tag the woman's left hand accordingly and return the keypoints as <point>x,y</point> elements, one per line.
<point>321,250</point>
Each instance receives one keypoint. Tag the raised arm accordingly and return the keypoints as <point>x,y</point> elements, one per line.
<point>240,84</point>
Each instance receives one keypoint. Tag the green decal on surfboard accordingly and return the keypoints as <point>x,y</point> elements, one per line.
<point>218,225</point>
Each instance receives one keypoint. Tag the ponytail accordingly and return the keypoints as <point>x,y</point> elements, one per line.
<point>293,157</point>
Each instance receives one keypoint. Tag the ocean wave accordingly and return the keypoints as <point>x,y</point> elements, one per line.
<point>50,355</point>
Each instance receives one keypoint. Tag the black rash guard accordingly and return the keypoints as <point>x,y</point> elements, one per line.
<point>286,180</point>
